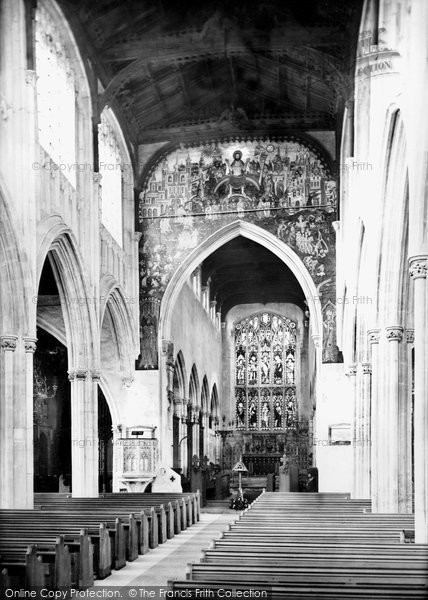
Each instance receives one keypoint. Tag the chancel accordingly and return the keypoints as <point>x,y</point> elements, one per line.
<point>213,296</point>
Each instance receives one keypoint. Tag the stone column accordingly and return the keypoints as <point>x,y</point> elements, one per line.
<point>351,373</point>
<point>205,425</point>
<point>195,429</point>
<point>178,411</point>
<point>418,272</point>
<point>388,499</point>
<point>405,487</point>
<point>7,401</point>
<point>373,338</point>
<point>27,428</point>
<point>84,433</point>
<point>364,431</point>
<point>183,436</point>
<point>165,433</point>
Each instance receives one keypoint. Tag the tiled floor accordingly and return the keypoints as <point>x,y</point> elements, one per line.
<point>169,561</point>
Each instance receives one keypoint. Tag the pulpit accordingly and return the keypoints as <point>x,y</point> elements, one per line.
<point>136,458</point>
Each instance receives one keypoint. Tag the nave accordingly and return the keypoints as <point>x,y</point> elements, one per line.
<point>284,545</point>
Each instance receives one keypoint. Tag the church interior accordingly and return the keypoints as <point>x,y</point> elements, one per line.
<point>214,297</point>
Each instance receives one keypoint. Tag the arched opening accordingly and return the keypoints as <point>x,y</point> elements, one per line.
<point>240,280</point>
<point>203,419</point>
<point>51,392</point>
<point>105,436</point>
<point>70,317</point>
<point>193,418</point>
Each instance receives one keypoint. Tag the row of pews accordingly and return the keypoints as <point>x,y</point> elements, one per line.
<point>313,546</point>
<point>68,542</point>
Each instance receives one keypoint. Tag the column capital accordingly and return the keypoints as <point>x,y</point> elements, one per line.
<point>96,375</point>
<point>394,333</point>
<point>352,370</point>
<point>373,336</point>
<point>78,374</point>
<point>127,381</point>
<point>418,266</point>
<point>410,336</point>
<point>30,344</point>
<point>366,368</point>
<point>8,342</point>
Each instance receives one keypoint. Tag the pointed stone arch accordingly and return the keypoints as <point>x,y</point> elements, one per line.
<point>194,387</point>
<point>17,344</point>
<point>57,244</point>
<point>15,289</point>
<point>181,376</point>
<point>82,331</point>
<point>218,239</point>
<point>113,304</point>
<point>205,395</point>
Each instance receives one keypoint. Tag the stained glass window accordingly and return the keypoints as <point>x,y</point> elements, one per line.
<point>265,378</point>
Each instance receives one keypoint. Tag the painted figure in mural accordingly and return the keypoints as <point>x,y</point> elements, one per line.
<point>148,357</point>
<point>329,327</point>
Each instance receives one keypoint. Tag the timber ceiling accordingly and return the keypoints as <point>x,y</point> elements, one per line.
<point>243,272</point>
<point>176,67</point>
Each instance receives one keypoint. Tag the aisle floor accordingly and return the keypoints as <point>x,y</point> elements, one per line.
<point>169,561</point>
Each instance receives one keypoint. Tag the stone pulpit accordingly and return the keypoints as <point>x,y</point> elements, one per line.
<point>136,452</point>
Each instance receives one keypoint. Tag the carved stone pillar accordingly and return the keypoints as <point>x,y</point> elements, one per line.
<point>84,433</point>
<point>373,339</point>
<point>405,497</point>
<point>7,401</point>
<point>389,442</point>
<point>195,429</point>
<point>418,272</point>
<point>183,435</point>
<point>351,373</point>
<point>165,436</point>
<point>27,424</point>
<point>364,431</point>
<point>205,425</point>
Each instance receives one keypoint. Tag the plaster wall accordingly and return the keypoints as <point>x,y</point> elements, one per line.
<point>196,336</point>
<point>334,406</point>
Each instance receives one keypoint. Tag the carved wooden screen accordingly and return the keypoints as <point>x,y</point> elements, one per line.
<point>265,373</point>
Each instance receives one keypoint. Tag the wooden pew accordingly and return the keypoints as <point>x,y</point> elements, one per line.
<point>330,548</point>
<point>66,561</point>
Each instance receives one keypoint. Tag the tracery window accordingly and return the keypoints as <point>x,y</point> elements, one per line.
<point>265,373</point>
<point>56,95</point>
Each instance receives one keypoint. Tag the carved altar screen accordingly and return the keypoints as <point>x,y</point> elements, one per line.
<point>265,374</point>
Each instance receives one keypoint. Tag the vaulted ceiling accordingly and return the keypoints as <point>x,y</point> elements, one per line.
<point>181,66</point>
<point>243,272</point>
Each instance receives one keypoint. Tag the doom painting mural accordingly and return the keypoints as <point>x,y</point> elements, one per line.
<point>284,187</point>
